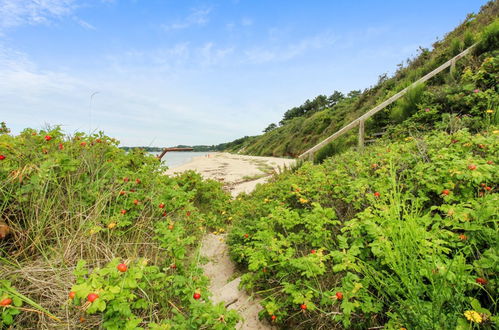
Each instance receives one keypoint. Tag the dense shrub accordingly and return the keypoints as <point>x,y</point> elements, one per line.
<point>80,201</point>
<point>402,235</point>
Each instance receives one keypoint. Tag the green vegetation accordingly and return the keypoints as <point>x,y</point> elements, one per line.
<point>304,126</point>
<point>73,208</point>
<point>402,235</point>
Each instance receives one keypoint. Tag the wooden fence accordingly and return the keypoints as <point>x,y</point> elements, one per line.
<point>361,120</point>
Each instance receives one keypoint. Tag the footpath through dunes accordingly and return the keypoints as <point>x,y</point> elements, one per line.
<point>239,174</point>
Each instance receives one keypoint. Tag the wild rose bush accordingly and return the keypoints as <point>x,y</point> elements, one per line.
<point>73,205</point>
<point>401,235</point>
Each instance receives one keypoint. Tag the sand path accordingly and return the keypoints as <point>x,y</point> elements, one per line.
<point>239,174</point>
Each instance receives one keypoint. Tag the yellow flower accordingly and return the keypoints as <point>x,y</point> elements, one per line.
<point>495,131</point>
<point>473,316</point>
<point>489,111</point>
<point>303,200</point>
<point>111,225</point>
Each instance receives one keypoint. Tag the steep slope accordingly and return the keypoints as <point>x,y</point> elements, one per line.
<point>304,126</point>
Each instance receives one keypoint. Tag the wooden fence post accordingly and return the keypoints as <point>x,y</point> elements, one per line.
<point>361,135</point>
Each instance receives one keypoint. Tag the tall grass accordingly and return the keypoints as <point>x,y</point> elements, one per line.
<point>408,105</point>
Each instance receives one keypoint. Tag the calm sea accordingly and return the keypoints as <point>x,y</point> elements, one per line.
<point>176,158</point>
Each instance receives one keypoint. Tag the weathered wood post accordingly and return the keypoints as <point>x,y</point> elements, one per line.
<point>361,135</point>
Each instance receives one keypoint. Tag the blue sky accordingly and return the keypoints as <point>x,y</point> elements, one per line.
<point>198,72</point>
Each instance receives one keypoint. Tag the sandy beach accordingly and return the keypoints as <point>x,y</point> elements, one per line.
<point>239,173</point>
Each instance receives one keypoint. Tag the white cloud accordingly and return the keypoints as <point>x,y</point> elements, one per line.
<point>135,106</point>
<point>260,55</point>
<point>210,55</point>
<point>83,24</point>
<point>31,12</point>
<point>197,17</point>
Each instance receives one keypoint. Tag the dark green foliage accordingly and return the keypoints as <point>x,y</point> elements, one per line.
<point>408,105</point>
<point>489,39</point>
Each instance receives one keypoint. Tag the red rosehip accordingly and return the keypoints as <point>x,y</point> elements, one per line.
<point>246,235</point>
<point>126,179</point>
<point>137,181</point>
<point>303,306</point>
<point>463,237</point>
<point>481,280</point>
<point>2,157</point>
<point>122,193</point>
<point>472,167</point>
<point>313,251</point>
<point>61,146</point>
<point>122,268</point>
<point>48,138</point>
<point>273,317</point>
<point>83,144</point>
<point>173,266</point>
<point>161,206</point>
<point>92,297</point>
<point>164,214</point>
<point>488,188</point>
<point>188,213</point>
<point>490,162</point>
<point>72,295</point>
<point>5,302</point>
<point>98,140</point>
<point>339,295</point>
<point>445,192</point>
<point>123,212</point>
<point>170,227</point>
<point>377,194</point>
<point>196,295</point>
<point>136,201</point>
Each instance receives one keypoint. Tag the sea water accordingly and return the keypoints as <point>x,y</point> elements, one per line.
<point>174,159</point>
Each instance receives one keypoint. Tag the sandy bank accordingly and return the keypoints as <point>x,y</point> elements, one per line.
<point>239,173</point>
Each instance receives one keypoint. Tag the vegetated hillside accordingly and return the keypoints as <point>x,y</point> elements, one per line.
<point>94,237</point>
<point>304,126</point>
<point>403,235</point>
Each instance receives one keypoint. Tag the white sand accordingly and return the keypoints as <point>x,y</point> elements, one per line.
<point>239,174</point>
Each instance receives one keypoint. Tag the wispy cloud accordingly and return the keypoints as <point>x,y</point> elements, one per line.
<point>84,24</point>
<point>211,55</point>
<point>197,17</point>
<point>281,53</point>
<point>31,12</point>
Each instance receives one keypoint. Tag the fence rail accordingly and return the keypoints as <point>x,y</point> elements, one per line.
<point>361,120</point>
